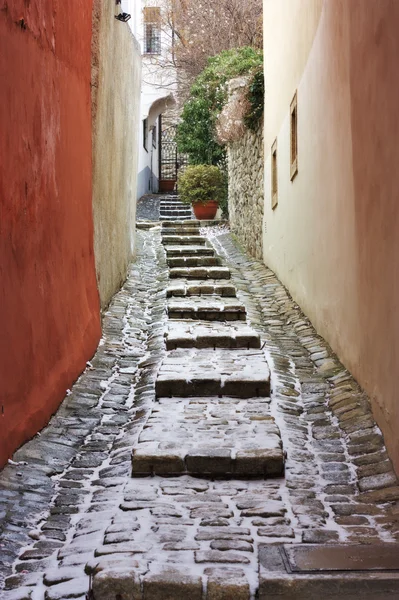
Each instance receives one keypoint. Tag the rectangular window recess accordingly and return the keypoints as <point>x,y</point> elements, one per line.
<point>294,136</point>
<point>152,30</point>
<point>274,175</point>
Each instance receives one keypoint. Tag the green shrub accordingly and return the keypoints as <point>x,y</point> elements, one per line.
<point>208,95</point>
<point>200,183</point>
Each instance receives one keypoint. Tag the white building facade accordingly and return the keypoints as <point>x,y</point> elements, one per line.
<point>150,24</point>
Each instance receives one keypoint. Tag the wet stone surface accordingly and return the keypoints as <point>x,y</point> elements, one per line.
<point>69,506</point>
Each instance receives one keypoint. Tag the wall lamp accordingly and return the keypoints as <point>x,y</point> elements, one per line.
<point>124,17</point>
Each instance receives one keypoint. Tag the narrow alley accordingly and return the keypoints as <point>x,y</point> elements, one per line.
<point>212,428</point>
<point>199,248</point>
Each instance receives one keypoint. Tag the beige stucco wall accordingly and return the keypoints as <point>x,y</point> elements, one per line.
<point>333,239</point>
<point>116,74</point>
<point>289,30</point>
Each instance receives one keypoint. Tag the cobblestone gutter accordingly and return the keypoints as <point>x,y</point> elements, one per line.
<point>69,506</point>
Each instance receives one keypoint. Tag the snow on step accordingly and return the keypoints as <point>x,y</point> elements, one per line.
<point>185,334</point>
<point>200,273</point>
<point>182,240</point>
<point>189,251</point>
<point>180,231</point>
<point>180,288</point>
<point>212,437</point>
<point>180,225</point>
<point>194,261</point>
<point>221,372</point>
<point>213,308</point>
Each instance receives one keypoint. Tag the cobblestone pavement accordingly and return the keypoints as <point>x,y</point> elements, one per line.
<point>70,508</point>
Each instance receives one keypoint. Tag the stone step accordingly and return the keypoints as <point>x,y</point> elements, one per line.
<point>182,240</point>
<point>180,225</point>
<point>200,273</point>
<point>221,372</point>
<point>181,288</point>
<point>172,219</point>
<point>346,571</point>
<point>216,437</point>
<point>172,202</point>
<point>185,334</point>
<point>172,212</point>
<point>171,580</point>
<point>180,231</point>
<point>208,308</point>
<point>202,223</point>
<point>187,250</point>
<point>194,261</point>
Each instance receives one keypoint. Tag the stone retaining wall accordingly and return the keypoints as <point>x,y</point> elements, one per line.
<point>246,169</point>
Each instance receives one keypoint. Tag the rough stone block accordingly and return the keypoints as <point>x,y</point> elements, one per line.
<point>258,462</point>
<point>227,584</point>
<point>172,584</point>
<point>156,462</point>
<point>213,462</point>
<point>123,584</point>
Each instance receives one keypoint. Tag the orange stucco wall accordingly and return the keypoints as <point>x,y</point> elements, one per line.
<point>49,308</point>
<point>334,237</point>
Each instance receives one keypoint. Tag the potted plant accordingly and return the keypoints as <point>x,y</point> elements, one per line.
<point>203,186</point>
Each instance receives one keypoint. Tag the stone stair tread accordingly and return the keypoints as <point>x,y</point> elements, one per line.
<point>189,250</point>
<point>206,307</point>
<point>181,240</point>
<point>215,438</point>
<point>180,225</point>
<point>221,372</point>
<point>180,231</point>
<point>202,334</point>
<point>182,288</point>
<point>200,273</point>
<point>194,261</point>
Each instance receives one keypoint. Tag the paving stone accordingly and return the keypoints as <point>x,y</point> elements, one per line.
<point>75,588</point>
<point>217,556</point>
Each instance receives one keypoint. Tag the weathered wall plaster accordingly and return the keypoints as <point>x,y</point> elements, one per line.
<point>49,317</point>
<point>116,73</point>
<point>333,238</point>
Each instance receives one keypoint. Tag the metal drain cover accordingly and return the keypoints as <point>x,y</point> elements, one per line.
<point>318,558</point>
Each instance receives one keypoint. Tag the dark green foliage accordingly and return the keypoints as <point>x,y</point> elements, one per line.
<point>256,98</point>
<point>208,95</point>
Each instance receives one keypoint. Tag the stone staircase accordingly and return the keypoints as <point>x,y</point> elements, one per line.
<point>171,209</point>
<point>207,512</point>
<point>212,417</point>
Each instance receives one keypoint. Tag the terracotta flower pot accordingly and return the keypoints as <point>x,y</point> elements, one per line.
<point>205,211</point>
